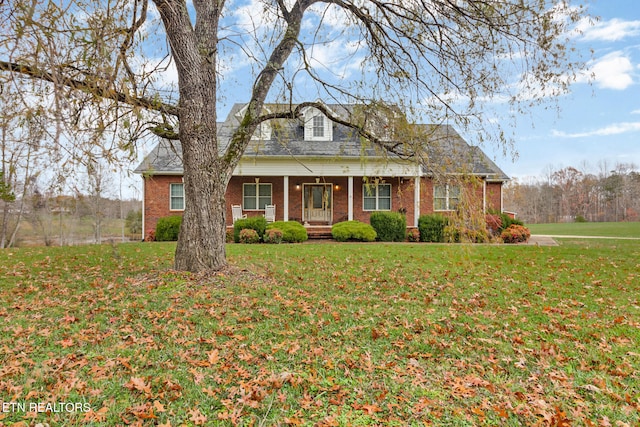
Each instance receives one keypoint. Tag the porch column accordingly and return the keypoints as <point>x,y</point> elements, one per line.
<point>285,208</point>
<point>350,200</point>
<point>484,196</point>
<point>416,200</point>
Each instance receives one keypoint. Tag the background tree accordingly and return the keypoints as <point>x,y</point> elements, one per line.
<point>97,63</point>
<point>568,194</point>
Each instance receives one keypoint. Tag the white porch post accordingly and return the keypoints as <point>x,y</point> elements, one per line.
<point>416,200</point>
<point>350,200</point>
<point>484,195</point>
<point>286,198</point>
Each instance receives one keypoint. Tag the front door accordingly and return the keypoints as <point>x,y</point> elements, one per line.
<point>316,205</point>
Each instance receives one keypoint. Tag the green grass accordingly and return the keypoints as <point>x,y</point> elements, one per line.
<point>605,229</point>
<point>325,334</point>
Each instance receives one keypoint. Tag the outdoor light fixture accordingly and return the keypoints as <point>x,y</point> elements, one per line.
<point>297,186</point>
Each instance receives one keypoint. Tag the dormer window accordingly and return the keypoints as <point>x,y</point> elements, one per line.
<point>317,126</point>
<point>263,130</point>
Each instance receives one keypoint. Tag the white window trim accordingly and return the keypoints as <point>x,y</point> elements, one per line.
<point>257,196</point>
<point>377,196</point>
<point>447,197</point>
<point>171,197</point>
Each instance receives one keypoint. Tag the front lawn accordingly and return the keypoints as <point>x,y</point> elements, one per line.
<point>323,334</point>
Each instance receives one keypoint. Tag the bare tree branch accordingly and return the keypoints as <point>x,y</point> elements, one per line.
<point>89,85</point>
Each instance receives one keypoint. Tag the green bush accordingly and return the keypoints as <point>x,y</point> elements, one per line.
<point>248,235</point>
<point>432,228</point>
<point>273,235</point>
<point>353,230</point>
<point>507,221</point>
<point>389,226</point>
<point>292,231</point>
<point>168,228</point>
<point>258,223</point>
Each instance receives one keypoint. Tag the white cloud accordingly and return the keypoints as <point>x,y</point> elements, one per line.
<point>614,129</point>
<point>635,112</point>
<point>612,71</point>
<point>612,30</point>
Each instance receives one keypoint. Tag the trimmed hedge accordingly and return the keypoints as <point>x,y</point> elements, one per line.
<point>257,223</point>
<point>353,230</point>
<point>389,226</point>
<point>292,231</point>
<point>432,228</point>
<point>168,228</point>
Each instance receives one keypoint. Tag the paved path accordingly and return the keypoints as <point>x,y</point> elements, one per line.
<point>549,240</point>
<point>540,240</point>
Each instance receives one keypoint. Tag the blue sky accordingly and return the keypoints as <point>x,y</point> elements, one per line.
<point>597,124</point>
<point>599,121</point>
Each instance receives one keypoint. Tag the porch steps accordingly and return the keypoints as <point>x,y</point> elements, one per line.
<point>319,232</point>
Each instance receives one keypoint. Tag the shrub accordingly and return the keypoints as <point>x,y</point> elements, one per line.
<point>168,228</point>
<point>494,224</point>
<point>389,226</point>
<point>515,234</point>
<point>432,227</point>
<point>292,231</point>
<point>580,218</point>
<point>273,235</point>
<point>353,230</point>
<point>151,236</point>
<point>413,235</point>
<point>249,235</point>
<point>229,236</point>
<point>257,223</point>
<point>507,221</point>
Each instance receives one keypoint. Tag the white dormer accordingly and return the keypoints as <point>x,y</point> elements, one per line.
<point>263,131</point>
<point>317,126</point>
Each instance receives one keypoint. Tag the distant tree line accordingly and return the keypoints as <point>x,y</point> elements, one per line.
<point>571,194</point>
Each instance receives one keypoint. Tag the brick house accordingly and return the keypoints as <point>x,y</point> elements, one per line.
<point>319,172</point>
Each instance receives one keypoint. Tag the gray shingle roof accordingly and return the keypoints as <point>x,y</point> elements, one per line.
<point>441,149</point>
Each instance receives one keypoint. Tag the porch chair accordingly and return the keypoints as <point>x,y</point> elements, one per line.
<point>236,213</point>
<point>270,213</point>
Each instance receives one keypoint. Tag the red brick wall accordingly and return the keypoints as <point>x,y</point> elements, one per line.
<point>494,196</point>
<point>402,192</point>
<point>156,199</point>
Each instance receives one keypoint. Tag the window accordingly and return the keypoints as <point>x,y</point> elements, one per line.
<point>376,197</point>
<point>176,197</point>
<point>446,197</point>
<point>256,196</point>
<point>318,126</point>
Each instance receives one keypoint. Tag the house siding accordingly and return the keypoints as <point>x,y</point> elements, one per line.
<point>156,199</point>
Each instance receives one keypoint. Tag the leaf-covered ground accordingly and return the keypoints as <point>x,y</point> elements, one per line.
<point>323,334</point>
